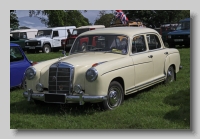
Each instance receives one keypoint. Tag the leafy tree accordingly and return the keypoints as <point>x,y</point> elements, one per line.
<point>155,18</point>
<point>58,18</point>
<point>104,19</point>
<point>14,22</point>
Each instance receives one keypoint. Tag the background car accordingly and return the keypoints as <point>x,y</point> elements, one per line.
<point>18,64</point>
<point>181,36</point>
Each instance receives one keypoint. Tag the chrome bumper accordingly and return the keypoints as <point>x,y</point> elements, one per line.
<point>81,98</point>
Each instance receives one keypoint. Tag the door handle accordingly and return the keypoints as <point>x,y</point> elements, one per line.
<point>166,53</point>
<point>150,56</point>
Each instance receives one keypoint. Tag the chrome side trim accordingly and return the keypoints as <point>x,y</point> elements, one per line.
<point>145,85</point>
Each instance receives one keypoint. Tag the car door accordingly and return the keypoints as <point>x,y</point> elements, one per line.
<point>158,55</point>
<point>56,41</point>
<point>142,61</point>
<point>18,65</point>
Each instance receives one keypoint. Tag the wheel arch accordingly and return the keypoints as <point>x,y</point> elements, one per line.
<point>120,80</point>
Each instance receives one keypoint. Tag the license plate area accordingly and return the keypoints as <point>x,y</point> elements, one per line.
<point>178,40</point>
<point>32,47</point>
<point>54,98</point>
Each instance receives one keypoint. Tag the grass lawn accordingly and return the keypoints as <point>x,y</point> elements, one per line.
<point>158,107</point>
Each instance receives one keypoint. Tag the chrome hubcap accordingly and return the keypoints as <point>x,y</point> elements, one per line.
<point>114,97</point>
<point>170,75</point>
<point>46,49</point>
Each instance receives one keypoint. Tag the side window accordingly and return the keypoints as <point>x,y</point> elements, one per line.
<point>55,34</point>
<point>15,54</point>
<point>23,35</point>
<point>153,42</point>
<point>138,44</point>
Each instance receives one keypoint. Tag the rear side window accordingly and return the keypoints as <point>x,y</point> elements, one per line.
<point>55,34</point>
<point>15,54</point>
<point>153,42</point>
<point>138,44</point>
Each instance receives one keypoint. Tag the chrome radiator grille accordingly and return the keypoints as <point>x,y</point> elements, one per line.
<point>60,78</point>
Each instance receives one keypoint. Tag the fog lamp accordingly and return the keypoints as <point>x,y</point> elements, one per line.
<point>77,88</point>
<point>39,87</point>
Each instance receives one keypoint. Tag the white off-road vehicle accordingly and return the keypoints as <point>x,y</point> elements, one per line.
<point>48,39</point>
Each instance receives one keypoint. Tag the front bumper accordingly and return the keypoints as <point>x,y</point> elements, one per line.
<point>81,98</point>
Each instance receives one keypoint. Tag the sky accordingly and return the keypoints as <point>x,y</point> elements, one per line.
<point>33,22</point>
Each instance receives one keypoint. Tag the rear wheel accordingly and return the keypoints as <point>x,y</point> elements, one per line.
<point>46,48</point>
<point>170,77</point>
<point>115,96</point>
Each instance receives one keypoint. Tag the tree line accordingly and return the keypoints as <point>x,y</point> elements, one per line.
<point>58,18</point>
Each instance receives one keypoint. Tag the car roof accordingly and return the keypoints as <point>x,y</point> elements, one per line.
<point>14,44</point>
<point>59,28</point>
<point>129,31</point>
<point>23,30</point>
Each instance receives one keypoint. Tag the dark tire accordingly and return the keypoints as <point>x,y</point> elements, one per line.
<point>170,76</point>
<point>46,48</point>
<point>38,102</point>
<point>115,96</point>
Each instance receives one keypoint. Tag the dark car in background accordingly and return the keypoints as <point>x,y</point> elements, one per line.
<point>18,65</point>
<point>165,29</point>
<point>181,36</point>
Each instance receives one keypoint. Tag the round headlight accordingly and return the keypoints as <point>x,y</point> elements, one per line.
<point>39,87</point>
<point>77,88</point>
<point>91,74</point>
<point>38,43</point>
<point>30,73</point>
<point>27,43</point>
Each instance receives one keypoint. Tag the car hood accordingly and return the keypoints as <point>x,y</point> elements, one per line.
<point>39,38</point>
<point>81,62</point>
<point>179,32</point>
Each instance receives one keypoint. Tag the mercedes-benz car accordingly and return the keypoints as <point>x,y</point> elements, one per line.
<point>122,61</point>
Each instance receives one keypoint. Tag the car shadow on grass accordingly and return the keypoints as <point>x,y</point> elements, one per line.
<point>181,100</point>
<point>25,107</point>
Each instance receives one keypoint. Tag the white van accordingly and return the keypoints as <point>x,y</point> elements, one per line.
<point>48,39</point>
<point>24,33</point>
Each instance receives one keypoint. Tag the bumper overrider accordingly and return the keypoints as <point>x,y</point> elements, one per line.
<point>62,98</point>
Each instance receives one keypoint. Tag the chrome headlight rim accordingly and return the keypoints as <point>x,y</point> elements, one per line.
<point>27,75</point>
<point>94,76</point>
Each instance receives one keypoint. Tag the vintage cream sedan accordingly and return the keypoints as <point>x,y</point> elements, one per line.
<point>102,66</point>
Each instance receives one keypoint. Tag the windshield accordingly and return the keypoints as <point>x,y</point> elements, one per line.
<point>44,33</point>
<point>79,31</point>
<point>183,25</point>
<point>101,43</point>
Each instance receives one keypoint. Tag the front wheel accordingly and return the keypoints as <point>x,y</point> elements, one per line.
<point>170,76</point>
<point>115,96</point>
<point>46,48</point>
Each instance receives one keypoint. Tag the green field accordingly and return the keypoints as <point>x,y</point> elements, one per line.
<point>159,107</point>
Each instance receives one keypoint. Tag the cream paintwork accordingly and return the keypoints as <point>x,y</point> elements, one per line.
<point>135,70</point>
